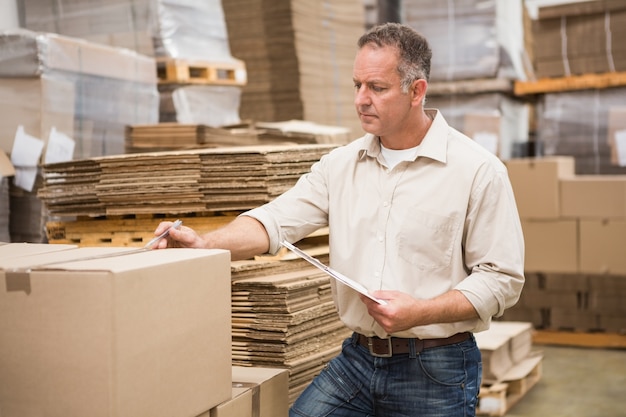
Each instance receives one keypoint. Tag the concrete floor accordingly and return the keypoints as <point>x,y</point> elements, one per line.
<point>577,382</point>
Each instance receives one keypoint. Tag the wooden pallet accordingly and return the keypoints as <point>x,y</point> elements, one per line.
<point>475,86</point>
<point>179,71</point>
<point>132,231</point>
<point>580,339</point>
<point>497,399</point>
<point>575,82</point>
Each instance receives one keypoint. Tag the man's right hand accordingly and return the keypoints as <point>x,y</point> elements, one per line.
<point>182,237</point>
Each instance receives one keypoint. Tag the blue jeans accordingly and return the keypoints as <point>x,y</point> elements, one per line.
<point>437,382</point>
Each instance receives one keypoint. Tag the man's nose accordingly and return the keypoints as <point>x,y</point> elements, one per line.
<point>361,98</point>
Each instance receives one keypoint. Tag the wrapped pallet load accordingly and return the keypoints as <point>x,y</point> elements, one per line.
<point>470,38</point>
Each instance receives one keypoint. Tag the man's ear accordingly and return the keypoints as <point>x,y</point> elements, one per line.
<point>418,90</point>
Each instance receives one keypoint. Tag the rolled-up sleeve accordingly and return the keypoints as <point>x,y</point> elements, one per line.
<point>494,247</point>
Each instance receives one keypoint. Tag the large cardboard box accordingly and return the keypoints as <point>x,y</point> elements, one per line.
<point>603,246</point>
<point>114,332</point>
<point>270,386</point>
<point>536,183</point>
<point>11,251</point>
<point>594,196</point>
<point>551,245</point>
<point>256,392</point>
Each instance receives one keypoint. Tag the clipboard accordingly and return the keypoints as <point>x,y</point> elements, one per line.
<point>331,272</point>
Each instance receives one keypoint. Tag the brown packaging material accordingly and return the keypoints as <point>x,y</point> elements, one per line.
<point>536,183</point>
<point>114,331</point>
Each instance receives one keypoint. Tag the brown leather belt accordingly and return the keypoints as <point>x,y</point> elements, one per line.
<point>396,345</point>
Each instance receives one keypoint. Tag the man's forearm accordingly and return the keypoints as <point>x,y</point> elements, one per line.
<point>244,237</point>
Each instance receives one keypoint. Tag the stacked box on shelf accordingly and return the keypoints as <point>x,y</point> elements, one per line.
<point>575,233</point>
<point>477,52</point>
<point>496,119</point>
<point>579,38</point>
<point>585,125</point>
<point>299,56</point>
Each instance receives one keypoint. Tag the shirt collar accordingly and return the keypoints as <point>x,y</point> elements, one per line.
<point>434,145</point>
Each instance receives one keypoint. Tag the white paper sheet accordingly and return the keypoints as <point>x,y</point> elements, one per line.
<point>331,272</point>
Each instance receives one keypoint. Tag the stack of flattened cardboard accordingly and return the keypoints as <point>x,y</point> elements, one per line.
<point>244,177</point>
<point>299,57</point>
<point>172,136</point>
<point>285,319</point>
<point>215,179</point>
<point>504,346</point>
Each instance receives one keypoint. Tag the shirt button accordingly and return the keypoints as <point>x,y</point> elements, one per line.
<point>385,203</point>
<point>380,238</point>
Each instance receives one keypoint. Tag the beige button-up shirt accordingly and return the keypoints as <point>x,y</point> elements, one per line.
<point>446,220</point>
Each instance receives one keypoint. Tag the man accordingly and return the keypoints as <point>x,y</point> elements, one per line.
<point>418,213</point>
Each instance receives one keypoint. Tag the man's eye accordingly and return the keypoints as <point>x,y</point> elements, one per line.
<point>377,89</point>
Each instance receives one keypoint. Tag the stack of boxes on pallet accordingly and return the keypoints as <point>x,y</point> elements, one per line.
<point>575,233</point>
<point>188,39</point>
<point>510,366</point>
<point>578,40</point>
<point>478,50</point>
<point>54,88</point>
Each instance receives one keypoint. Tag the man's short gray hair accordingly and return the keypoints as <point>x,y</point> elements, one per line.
<point>413,49</point>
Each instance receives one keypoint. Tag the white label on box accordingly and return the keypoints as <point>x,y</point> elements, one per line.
<point>26,149</point>
<point>25,156</point>
<point>25,177</point>
<point>620,147</point>
<point>60,147</point>
<point>487,140</point>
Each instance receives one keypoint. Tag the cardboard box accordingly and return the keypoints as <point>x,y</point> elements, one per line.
<point>6,167</point>
<point>256,392</point>
<point>593,196</point>
<point>551,245</point>
<point>239,405</point>
<point>16,250</point>
<point>536,183</point>
<point>502,346</point>
<point>603,246</point>
<point>114,332</point>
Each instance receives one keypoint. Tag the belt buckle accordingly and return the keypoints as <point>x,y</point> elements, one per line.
<point>389,353</point>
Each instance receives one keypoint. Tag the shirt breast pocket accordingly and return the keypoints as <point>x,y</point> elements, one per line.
<point>426,239</point>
